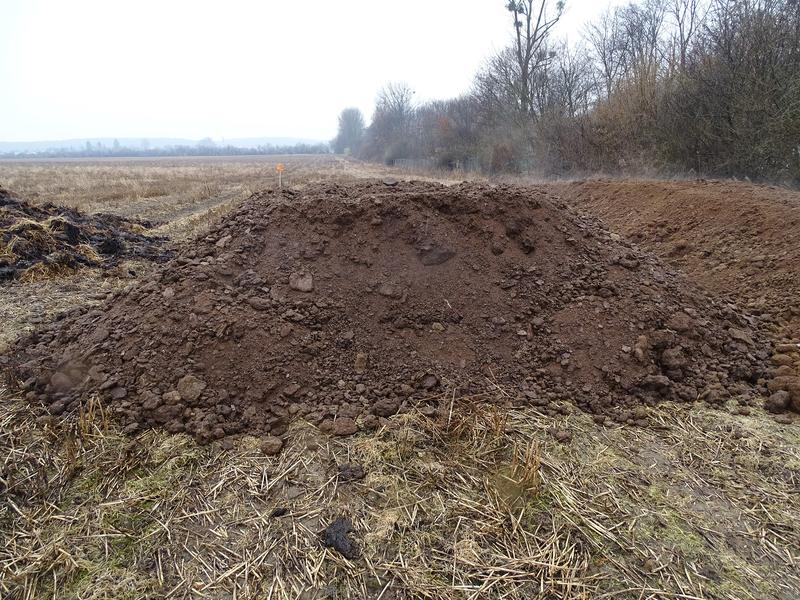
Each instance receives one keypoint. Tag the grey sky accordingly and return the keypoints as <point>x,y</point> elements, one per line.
<point>233,68</point>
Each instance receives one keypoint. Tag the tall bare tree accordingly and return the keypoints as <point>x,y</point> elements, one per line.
<point>351,132</point>
<point>389,136</point>
<point>687,17</point>
<point>533,22</point>
<point>396,103</point>
<point>607,40</point>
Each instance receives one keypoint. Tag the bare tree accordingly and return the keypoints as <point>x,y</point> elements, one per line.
<point>351,132</point>
<point>674,84</point>
<point>532,27</point>
<point>573,85</point>
<point>396,103</point>
<point>497,86</point>
<point>607,40</point>
<point>687,15</point>
<point>389,135</point>
<point>642,25</point>
<point>742,91</point>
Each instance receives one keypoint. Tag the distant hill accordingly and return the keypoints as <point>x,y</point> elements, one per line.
<point>77,144</point>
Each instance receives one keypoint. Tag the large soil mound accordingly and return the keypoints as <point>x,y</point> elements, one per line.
<point>42,240</point>
<point>736,239</point>
<point>345,304</point>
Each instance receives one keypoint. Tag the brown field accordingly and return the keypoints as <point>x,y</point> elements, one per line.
<point>172,189</point>
<point>489,502</point>
<point>177,191</point>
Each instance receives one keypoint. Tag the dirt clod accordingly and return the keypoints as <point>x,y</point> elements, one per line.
<point>386,407</point>
<point>271,445</point>
<point>302,282</point>
<point>278,512</point>
<point>190,388</point>
<point>337,536</point>
<point>350,472</point>
<point>344,426</point>
<point>562,435</point>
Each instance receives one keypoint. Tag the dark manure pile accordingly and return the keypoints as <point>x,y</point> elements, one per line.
<point>40,241</point>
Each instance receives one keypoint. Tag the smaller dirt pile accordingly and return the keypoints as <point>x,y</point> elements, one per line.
<point>47,240</point>
<point>344,304</point>
<point>735,239</point>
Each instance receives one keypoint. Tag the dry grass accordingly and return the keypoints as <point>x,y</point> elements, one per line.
<point>159,190</point>
<point>481,502</point>
<point>166,189</point>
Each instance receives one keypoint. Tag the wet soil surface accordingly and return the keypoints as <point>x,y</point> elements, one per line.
<point>345,304</point>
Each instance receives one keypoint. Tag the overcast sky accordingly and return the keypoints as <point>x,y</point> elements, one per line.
<point>233,68</point>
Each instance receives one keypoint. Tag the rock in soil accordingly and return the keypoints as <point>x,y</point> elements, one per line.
<point>302,282</point>
<point>246,332</point>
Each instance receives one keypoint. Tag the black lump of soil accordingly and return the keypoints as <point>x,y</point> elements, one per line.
<point>350,472</point>
<point>336,536</point>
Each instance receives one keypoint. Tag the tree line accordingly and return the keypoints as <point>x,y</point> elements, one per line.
<point>710,87</point>
<point>202,149</point>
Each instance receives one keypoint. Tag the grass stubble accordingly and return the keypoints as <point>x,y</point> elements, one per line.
<point>478,500</point>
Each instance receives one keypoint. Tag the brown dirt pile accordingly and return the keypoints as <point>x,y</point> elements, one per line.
<point>346,304</point>
<point>736,239</point>
<point>49,240</point>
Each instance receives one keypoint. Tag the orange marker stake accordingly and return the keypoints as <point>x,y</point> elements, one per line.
<point>279,169</point>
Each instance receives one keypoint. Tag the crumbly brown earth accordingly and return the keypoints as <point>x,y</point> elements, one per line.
<point>345,304</point>
<point>735,239</point>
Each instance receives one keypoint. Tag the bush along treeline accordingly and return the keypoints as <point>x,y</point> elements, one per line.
<point>202,149</point>
<point>708,87</point>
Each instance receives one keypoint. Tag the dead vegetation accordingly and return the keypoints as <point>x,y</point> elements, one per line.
<point>45,241</point>
<point>483,502</point>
